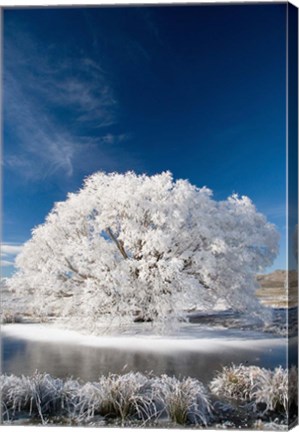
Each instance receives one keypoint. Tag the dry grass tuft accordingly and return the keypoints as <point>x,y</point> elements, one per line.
<point>186,400</point>
<point>129,396</point>
<point>235,382</point>
<point>147,398</point>
<point>262,389</point>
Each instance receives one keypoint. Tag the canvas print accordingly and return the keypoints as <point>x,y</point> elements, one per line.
<point>149,246</point>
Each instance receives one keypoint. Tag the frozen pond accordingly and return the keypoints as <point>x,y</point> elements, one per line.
<point>196,351</point>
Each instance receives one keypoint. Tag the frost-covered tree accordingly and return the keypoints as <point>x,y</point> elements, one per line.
<point>130,247</point>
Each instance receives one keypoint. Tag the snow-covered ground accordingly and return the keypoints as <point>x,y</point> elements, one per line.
<point>191,338</point>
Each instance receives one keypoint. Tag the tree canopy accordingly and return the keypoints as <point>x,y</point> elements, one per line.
<point>129,247</point>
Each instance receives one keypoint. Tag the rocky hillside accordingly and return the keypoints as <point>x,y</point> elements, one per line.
<point>273,291</point>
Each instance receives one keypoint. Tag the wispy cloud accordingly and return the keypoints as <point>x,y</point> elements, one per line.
<point>87,92</point>
<point>9,251</point>
<point>113,139</point>
<point>47,106</point>
<point>5,263</point>
<point>44,148</point>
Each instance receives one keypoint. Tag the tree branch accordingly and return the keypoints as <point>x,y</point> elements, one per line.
<point>73,269</point>
<point>81,275</point>
<point>118,243</point>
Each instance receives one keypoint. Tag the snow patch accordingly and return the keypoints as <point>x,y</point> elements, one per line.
<point>48,333</point>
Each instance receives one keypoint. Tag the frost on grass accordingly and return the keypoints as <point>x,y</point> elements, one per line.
<point>186,400</point>
<point>235,382</point>
<point>130,396</point>
<point>261,389</point>
<point>38,395</point>
<point>263,397</point>
<point>271,390</point>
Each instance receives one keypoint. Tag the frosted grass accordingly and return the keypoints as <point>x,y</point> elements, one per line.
<point>262,394</point>
<point>186,401</point>
<point>128,396</point>
<point>259,388</point>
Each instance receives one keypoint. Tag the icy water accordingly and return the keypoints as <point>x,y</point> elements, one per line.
<point>88,363</point>
<point>198,350</point>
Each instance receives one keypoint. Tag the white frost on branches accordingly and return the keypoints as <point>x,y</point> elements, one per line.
<point>130,246</point>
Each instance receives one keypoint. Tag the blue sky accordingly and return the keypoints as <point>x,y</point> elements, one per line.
<point>197,90</point>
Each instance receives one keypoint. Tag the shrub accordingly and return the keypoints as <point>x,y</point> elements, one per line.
<point>125,395</point>
<point>235,382</point>
<point>39,394</point>
<point>186,401</point>
<point>133,396</point>
<point>262,389</point>
<point>271,390</point>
